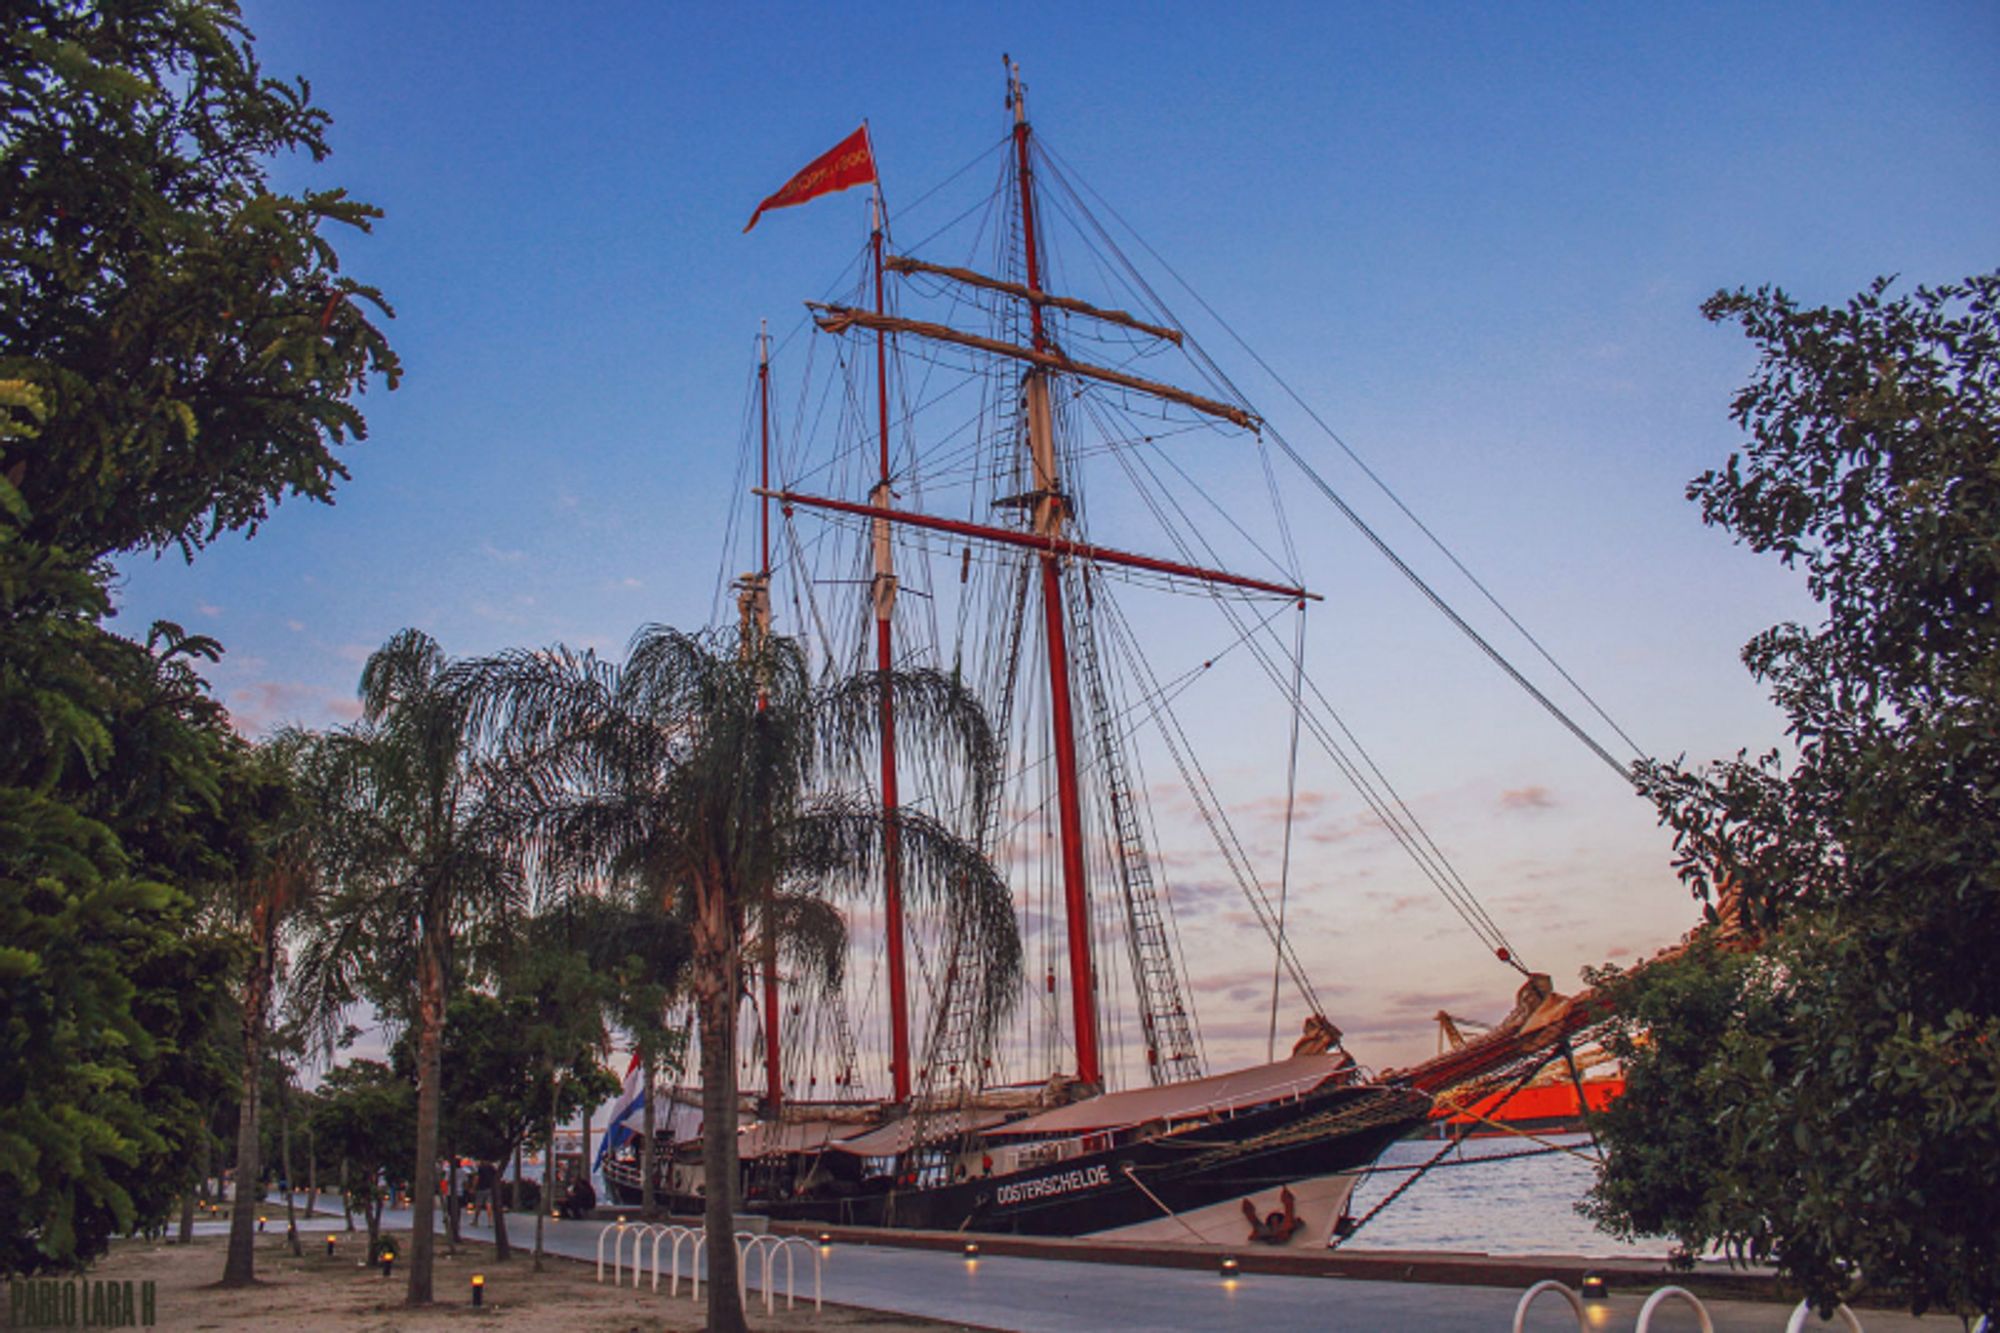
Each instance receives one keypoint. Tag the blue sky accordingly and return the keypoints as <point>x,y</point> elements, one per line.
<point>1474,237</point>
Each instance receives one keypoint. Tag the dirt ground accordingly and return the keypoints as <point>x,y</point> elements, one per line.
<point>316,1292</point>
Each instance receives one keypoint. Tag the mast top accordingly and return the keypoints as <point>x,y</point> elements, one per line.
<point>1017,92</point>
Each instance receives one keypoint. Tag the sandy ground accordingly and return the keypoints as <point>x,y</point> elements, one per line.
<point>316,1292</point>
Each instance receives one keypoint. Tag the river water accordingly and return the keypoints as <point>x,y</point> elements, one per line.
<point>1522,1205</point>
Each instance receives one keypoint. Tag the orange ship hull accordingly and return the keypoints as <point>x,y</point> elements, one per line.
<point>1547,1106</point>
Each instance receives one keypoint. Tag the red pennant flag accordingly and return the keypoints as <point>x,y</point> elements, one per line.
<point>850,162</point>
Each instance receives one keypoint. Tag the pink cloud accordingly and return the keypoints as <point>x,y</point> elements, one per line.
<point>1527,798</point>
<point>261,705</point>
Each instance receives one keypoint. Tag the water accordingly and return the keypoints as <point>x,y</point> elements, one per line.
<point>1522,1206</point>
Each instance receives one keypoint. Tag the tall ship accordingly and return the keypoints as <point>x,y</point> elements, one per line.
<point>993,467</point>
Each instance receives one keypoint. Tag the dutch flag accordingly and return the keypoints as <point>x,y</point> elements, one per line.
<point>630,1102</point>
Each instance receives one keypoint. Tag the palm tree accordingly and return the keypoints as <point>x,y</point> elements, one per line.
<point>279,879</point>
<point>422,835</point>
<point>710,768</point>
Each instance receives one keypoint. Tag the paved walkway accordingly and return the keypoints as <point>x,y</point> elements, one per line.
<point>1060,1296</point>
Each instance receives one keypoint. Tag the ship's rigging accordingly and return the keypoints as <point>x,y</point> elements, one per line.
<point>952,494</point>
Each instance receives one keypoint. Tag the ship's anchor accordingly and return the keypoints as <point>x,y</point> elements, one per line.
<point>1277,1226</point>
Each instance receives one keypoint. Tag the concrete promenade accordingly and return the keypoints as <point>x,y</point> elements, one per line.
<point>1060,1295</point>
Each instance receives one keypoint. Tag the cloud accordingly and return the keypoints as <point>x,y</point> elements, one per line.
<point>295,626</point>
<point>209,609</point>
<point>1527,798</point>
<point>261,705</point>
<point>1305,805</point>
<point>502,555</point>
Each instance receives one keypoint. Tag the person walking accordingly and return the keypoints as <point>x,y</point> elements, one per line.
<point>485,1185</point>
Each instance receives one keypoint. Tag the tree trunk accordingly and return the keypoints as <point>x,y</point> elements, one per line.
<point>312,1171</point>
<point>502,1251</point>
<point>201,1187</point>
<point>588,1111</point>
<point>346,1204</point>
<point>647,1124</point>
<point>548,1171</point>
<point>454,1205</point>
<point>285,1161</point>
<point>239,1269</point>
<point>371,1212</point>
<point>716,965</point>
<point>514,1200</point>
<point>423,1196</point>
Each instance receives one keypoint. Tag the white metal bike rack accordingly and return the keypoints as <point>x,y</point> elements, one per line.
<point>1802,1318</point>
<point>1660,1297</point>
<point>765,1250</point>
<point>609,1228</point>
<point>639,1235</point>
<point>680,1236</point>
<point>1549,1284</point>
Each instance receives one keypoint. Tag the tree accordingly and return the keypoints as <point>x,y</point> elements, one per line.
<point>709,770</point>
<point>507,1075</point>
<point>177,353</point>
<point>422,841</point>
<point>641,950</point>
<point>279,878</point>
<point>1831,1102</point>
<point>365,1118</point>
<point>186,332</point>
<point>113,821</point>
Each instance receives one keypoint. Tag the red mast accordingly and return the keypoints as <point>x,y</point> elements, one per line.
<point>885,661</point>
<point>774,1088</point>
<point>1049,517</point>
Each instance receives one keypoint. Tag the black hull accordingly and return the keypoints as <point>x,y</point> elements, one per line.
<point>1251,1154</point>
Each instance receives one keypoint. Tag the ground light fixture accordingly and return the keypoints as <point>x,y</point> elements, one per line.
<point>261,1221</point>
<point>972,1249</point>
<point>1593,1287</point>
<point>388,1259</point>
<point>329,1247</point>
<point>825,1239</point>
<point>478,1290</point>
<point>1231,1268</point>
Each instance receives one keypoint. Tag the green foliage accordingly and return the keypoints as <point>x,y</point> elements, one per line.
<point>177,352</point>
<point>183,334</point>
<point>367,1115</point>
<point>1834,1105</point>
<point>109,999</point>
<point>507,1075</point>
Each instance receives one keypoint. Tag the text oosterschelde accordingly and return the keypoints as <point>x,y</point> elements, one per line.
<point>1062,1183</point>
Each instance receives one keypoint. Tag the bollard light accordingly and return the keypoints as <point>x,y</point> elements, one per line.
<point>1231,1269</point>
<point>1593,1287</point>
<point>261,1221</point>
<point>388,1258</point>
<point>478,1289</point>
<point>972,1249</point>
<point>825,1239</point>
<point>329,1247</point>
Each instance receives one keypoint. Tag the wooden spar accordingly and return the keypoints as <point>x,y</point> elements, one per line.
<point>905,264</point>
<point>839,319</point>
<point>885,662</point>
<point>1034,541</point>
<point>1062,720</point>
